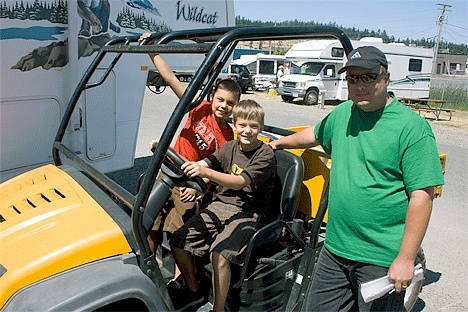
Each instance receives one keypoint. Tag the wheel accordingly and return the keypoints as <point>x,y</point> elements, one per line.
<point>414,289</point>
<point>156,89</point>
<point>172,170</point>
<point>311,97</point>
<point>287,99</point>
<point>244,81</point>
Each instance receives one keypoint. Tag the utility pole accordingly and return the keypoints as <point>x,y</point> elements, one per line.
<point>440,20</point>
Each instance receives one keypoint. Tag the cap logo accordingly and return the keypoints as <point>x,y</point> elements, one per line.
<point>356,55</point>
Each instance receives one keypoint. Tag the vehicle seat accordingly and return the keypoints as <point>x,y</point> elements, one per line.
<point>285,198</point>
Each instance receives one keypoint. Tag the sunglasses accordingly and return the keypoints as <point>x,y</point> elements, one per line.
<point>366,78</point>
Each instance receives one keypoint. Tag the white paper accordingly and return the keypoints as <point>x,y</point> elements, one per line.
<point>381,286</point>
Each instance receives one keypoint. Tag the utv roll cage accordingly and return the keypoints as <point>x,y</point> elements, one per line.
<point>217,44</point>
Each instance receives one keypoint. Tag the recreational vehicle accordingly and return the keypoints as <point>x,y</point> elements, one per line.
<point>263,67</point>
<point>316,78</point>
<point>46,47</point>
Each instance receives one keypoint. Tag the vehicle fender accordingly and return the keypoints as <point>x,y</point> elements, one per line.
<point>314,87</point>
<point>89,287</point>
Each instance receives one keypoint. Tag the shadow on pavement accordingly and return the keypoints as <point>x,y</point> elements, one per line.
<point>128,178</point>
<point>430,278</point>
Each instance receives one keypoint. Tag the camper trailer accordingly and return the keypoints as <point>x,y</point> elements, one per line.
<point>46,46</point>
<point>316,76</point>
<point>263,67</point>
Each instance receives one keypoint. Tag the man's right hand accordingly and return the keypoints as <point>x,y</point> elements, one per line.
<point>272,144</point>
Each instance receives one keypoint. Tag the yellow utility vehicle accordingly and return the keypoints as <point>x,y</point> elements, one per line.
<point>72,238</point>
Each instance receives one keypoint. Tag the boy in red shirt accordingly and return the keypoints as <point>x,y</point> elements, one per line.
<point>205,130</point>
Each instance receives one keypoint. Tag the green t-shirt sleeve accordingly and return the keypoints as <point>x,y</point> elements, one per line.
<point>322,134</point>
<point>421,165</point>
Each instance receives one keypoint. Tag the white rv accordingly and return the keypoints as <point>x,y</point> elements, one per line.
<point>316,77</point>
<point>46,47</point>
<point>263,67</point>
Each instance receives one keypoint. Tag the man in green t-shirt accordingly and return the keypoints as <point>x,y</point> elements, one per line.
<point>385,165</point>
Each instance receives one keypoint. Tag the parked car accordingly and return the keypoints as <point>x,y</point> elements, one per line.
<point>241,74</point>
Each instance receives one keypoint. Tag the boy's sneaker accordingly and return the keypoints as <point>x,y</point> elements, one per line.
<point>183,299</point>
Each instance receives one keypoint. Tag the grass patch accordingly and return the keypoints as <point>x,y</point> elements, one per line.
<point>456,96</point>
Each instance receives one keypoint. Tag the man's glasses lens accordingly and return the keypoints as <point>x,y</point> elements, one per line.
<point>367,78</point>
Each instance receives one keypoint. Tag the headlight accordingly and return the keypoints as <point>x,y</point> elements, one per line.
<point>301,85</point>
<point>280,84</point>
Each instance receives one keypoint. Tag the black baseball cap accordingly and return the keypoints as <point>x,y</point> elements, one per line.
<point>366,57</point>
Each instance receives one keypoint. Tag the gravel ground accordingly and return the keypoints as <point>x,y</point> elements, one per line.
<point>454,131</point>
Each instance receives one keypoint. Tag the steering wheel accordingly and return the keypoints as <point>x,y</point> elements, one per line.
<point>171,168</point>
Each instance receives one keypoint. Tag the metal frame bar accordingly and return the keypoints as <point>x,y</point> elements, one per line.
<point>217,44</point>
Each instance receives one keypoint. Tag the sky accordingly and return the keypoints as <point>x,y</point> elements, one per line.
<point>413,19</point>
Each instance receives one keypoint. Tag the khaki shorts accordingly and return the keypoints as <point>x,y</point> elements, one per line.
<point>221,228</point>
<point>175,213</point>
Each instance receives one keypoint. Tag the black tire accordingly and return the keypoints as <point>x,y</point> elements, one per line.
<point>414,289</point>
<point>311,97</point>
<point>287,99</point>
<point>157,90</point>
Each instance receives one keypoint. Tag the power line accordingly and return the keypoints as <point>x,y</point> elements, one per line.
<point>464,28</point>
<point>455,34</point>
<point>423,31</point>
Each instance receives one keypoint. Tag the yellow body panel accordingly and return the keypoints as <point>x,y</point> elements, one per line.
<point>316,177</point>
<point>50,224</point>
<point>438,189</point>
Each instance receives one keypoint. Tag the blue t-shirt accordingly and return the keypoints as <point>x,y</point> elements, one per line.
<point>378,159</point>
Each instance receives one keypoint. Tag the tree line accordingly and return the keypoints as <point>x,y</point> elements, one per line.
<point>128,19</point>
<point>55,13</point>
<point>356,34</point>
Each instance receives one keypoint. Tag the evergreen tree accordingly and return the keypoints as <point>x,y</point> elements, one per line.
<point>19,12</point>
<point>143,22</point>
<point>4,10</point>
<point>35,10</point>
